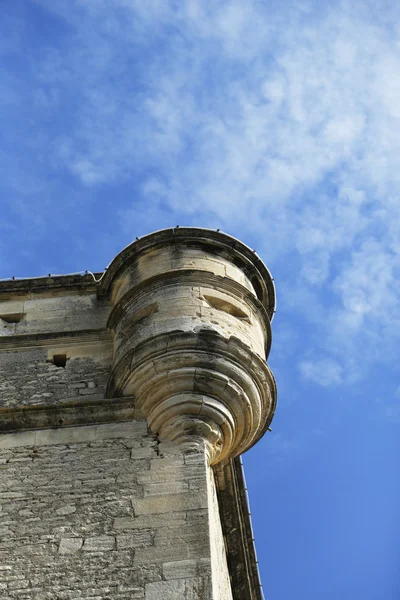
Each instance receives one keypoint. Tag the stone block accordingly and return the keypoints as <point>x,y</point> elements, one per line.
<point>148,521</point>
<point>185,589</point>
<point>70,545</point>
<point>172,464</point>
<point>169,503</point>
<point>180,569</point>
<point>162,554</point>
<point>182,535</point>
<point>99,544</point>
<point>14,440</point>
<point>137,453</point>
<point>12,307</point>
<point>166,590</point>
<point>138,539</point>
<point>69,435</point>
<point>66,510</point>
<point>163,489</point>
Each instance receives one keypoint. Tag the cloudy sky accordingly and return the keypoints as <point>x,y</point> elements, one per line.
<point>277,122</point>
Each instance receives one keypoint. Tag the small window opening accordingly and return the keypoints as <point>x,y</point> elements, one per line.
<point>144,313</point>
<point>59,360</point>
<point>227,307</point>
<point>12,317</point>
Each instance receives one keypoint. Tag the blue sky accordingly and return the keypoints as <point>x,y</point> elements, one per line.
<point>277,122</point>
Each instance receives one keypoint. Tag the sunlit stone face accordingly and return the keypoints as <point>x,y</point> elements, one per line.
<point>191,323</point>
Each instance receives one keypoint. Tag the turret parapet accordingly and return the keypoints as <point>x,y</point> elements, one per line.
<point>191,323</point>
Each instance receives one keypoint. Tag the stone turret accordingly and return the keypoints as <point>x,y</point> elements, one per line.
<point>191,328</point>
<point>126,400</point>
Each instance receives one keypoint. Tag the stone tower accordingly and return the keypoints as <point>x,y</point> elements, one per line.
<point>126,400</point>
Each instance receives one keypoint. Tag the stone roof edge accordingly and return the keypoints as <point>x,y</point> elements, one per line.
<point>22,285</point>
<point>203,236</point>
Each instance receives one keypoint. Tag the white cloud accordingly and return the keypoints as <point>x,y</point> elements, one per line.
<point>278,123</point>
<point>325,372</point>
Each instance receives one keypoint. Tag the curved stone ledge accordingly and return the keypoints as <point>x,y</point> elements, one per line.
<point>196,387</point>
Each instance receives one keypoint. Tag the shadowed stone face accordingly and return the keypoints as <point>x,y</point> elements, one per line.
<point>191,323</point>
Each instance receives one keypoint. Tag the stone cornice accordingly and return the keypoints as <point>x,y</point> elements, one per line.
<point>21,342</point>
<point>50,284</point>
<point>76,411</point>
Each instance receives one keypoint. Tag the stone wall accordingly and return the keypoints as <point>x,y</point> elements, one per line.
<point>29,378</point>
<point>101,513</point>
<point>49,311</point>
<point>35,328</point>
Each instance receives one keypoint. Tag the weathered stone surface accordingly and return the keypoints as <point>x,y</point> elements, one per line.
<point>116,394</point>
<point>76,526</point>
<point>187,589</point>
<point>70,545</point>
<point>26,378</point>
<point>191,337</point>
<point>180,569</point>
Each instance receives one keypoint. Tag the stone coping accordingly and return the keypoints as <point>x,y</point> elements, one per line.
<point>55,283</point>
<point>209,240</point>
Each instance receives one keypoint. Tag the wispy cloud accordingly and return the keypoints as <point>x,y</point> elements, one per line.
<point>322,371</point>
<point>278,123</point>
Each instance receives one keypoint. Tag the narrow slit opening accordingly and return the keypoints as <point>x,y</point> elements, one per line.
<point>227,307</point>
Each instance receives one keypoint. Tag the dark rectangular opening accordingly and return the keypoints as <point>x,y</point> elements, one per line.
<point>59,360</point>
<point>12,317</point>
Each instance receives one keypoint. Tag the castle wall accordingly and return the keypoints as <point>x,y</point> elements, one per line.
<point>28,378</point>
<point>99,512</point>
<point>51,311</point>
<point>36,327</point>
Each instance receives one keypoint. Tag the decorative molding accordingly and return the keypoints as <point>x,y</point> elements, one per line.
<point>49,284</point>
<point>64,414</point>
<point>33,340</point>
<point>199,386</point>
